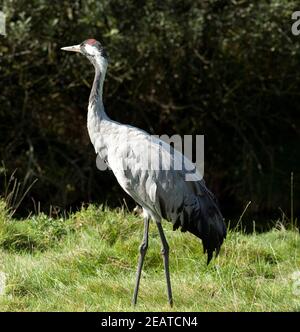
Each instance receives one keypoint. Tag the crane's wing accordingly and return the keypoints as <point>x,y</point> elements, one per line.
<point>146,169</point>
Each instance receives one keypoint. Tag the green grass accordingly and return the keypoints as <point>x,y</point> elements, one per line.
<point>88,263</point>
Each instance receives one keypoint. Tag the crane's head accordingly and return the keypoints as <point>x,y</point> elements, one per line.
<point>91,48</point>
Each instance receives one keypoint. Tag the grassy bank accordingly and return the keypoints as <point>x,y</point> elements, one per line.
<point>87,263</point>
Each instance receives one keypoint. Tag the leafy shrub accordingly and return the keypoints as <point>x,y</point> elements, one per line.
<point>226,69</point>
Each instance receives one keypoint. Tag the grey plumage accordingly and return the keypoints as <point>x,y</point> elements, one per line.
<point>159,188</point>
<point>189,205</point>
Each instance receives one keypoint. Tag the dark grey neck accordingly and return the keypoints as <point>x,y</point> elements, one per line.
<point>96,92</point>
<point>95,99</point>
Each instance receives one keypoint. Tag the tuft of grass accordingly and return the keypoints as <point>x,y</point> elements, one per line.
<point>87,262</point>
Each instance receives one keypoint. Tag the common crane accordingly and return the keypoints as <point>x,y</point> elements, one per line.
<point>163,192</point>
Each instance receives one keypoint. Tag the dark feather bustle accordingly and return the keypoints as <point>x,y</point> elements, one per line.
<point>200,215</point>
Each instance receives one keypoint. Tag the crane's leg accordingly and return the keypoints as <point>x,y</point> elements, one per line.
<point>165,253</point>
<point>143,250</point>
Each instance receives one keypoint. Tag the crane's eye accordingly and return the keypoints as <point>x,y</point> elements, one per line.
<point>89,49</point>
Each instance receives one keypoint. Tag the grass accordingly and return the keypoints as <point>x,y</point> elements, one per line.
<point>88,262</point>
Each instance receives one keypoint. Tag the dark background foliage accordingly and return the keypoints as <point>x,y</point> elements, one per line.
<point>225,69</point>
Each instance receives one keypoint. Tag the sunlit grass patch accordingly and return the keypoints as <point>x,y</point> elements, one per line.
<point>87,262</point>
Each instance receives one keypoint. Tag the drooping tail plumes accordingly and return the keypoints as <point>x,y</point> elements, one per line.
<point>202,217</point>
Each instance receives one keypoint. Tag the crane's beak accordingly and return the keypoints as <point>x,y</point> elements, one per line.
<point>74,48</point>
